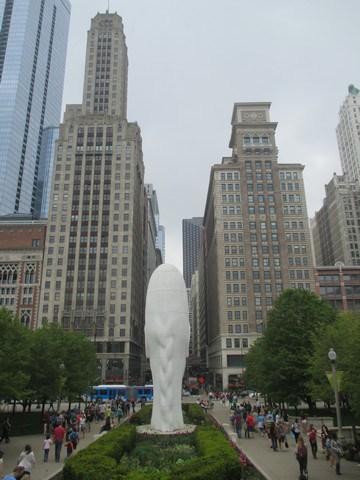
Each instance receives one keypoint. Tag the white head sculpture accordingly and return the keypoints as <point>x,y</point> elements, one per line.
<point>167,336</point>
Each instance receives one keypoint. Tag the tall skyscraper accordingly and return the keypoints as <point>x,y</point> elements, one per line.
<point>93,278</point>
<point>348,134</point>
<point>33,43</point>
<point>191,230</point>
<point>336,226</point>
<point>46,164</point>
<point>256,240</point>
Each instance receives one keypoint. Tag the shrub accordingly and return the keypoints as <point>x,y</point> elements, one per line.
<point>142,417</point>
<point>100,459</point>
<point>195,414</point>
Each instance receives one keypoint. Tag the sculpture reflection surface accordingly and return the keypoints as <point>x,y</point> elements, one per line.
<point>167,336</point>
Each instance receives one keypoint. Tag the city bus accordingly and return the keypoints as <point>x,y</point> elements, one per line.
<point>122,392</point>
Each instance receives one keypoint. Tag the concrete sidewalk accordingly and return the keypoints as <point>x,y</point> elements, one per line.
<point>281,465</point>
<point>43,471</point>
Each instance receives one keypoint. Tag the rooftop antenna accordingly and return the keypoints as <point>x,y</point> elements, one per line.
<point>108,9</point>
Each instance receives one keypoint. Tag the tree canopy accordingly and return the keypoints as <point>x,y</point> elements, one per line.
<point>278,364</point>
<point>44,364</point>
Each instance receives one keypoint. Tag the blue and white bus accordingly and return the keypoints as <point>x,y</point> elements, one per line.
<point>122,392</point>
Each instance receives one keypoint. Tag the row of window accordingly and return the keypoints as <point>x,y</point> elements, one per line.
<point>258,165</point>
<point>238,343</point>
<point>238,328</point>
<point>237,315</point>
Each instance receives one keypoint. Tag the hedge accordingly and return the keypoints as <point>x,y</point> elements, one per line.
<point>100,459</point>
<point>217,459</point>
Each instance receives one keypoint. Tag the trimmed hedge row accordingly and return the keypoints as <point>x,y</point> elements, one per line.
<point>100,459</point>
<point>217,459</point>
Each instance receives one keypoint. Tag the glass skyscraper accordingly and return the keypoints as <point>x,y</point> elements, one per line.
<point>47,156</point>
<point>33,42</point>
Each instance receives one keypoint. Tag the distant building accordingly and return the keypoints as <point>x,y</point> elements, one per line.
<point>191,231</point>
<point>160,241</point>
<point>256,241</point>
<point>152,255</point>
<point>339,285</point>
<point>195,318</point>
<point>22,243</point>
<point>47,157</point>
<point>33,44</point>
<point>348,134</point>
<point>336,226</point>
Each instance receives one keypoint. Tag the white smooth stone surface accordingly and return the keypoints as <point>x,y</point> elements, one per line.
<point>167,336</point>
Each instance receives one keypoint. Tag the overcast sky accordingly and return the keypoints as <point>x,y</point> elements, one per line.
<point>191,60</point>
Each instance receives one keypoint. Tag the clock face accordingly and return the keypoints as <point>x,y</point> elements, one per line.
<point>253,115</point>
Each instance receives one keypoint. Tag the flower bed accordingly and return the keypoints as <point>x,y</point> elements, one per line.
<point>121,454</point>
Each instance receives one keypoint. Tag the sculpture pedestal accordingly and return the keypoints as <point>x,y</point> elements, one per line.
<point>147,430</point>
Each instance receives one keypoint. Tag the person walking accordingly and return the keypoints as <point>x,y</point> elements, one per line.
<point>302,457</point>
<point>312,434</point>
<point>336,452</point>
<point>295,430</point>
<point>238,423</point>
<point>27,460</point>
<point>59,434</point>
<point>46,447</point>
<point>273,436</point>
<point>5,430</point>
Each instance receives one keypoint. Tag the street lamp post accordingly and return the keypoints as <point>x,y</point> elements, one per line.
<point>332,358</point>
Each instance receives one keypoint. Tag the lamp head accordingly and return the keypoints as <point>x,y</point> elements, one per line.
<point>332,355</point>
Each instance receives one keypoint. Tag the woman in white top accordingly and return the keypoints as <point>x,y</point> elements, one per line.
<point>27,460</point>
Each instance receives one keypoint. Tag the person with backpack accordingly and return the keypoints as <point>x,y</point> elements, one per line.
<point>312,434</point>
<point>336,452</point>
<point>302,458</point>
<point>295,430</point>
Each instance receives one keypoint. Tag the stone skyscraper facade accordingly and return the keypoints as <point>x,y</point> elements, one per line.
<point>348,134</point>
<point>33,43</point>
<point>191,231</point>
<point>93,278</point>
<point>256,240</point>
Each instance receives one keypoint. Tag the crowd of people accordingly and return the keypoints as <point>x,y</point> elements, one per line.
<point>66,429</point>
<point>275,425</point>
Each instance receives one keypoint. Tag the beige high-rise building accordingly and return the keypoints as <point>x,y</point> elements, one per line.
<point>348,134</point>
<point>257,240</point>
<point>93,278</point>
<point>336,226</point>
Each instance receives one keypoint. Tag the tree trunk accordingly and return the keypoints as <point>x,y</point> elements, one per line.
<point>14,408</point>
<point>43,407</point>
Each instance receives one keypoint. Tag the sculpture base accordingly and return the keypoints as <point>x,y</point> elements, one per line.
<point>148,430</point>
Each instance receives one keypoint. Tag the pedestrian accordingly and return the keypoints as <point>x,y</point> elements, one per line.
<point>301,457</point>
<point>250,424</point>
<point>295,430</point>
<point>119,413</point>
<point>273,436</point>
<point>69,448</point>
<point>238,423</point>
<point>16,474</point>
<point>324,435</point>
<point>312,434</point>
<point>46,447</point>
<point>27,460</point>
<point>1,464</point>
<point>5,430</point>
<point>74,438</point>
<point>336,452</point>
<point>82,424</point>
<point>59,434</point>
<point>261,424</point>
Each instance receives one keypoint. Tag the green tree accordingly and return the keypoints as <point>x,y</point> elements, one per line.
<point>288,343</point>
<point>255,374</point>
<point>47,354</point>
<point>79,359</point>
<point>14,357</point>
<point>344,336</point>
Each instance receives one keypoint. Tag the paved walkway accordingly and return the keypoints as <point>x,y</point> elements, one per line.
<point>42,471</point>
<point>281,465</point>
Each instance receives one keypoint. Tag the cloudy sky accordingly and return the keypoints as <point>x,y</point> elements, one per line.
<point>191,60</point>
